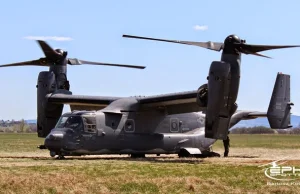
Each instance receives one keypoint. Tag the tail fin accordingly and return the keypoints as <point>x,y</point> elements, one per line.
<point>279,111</point>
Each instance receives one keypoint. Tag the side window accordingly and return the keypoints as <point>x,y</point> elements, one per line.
<point>89,124</point>
<point>129,126</point>
<point>112,120</point>
<point>174,122</point>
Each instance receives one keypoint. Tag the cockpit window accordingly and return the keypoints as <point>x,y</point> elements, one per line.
<point>61,123</point>
<point>73,122</point>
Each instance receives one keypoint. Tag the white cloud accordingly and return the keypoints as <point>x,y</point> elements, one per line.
<point>201,28</point>
<point>56,38</point>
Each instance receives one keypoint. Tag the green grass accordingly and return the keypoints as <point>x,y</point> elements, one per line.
<point>127,176</point>
<point>19,142</point>
<point>282,141</point>
<point>150,175</point>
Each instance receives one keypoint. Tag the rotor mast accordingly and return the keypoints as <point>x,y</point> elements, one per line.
<point>232,56</point>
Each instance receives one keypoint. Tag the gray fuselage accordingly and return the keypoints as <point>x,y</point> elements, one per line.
<point>97,132</point>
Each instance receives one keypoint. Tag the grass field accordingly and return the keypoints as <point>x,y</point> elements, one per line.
<point>25,169</point>
<point>263,141</point>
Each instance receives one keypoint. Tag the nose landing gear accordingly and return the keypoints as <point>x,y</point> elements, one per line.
<point>52,154</point>
<point>60,155</point>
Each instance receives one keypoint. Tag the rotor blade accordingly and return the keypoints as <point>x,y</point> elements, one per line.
<point>259,48</point>
<point>25,63</point>
<point>48,51</point>
<point>258,54</point>
<point>216,46</point>
<point>75,61</point>
<point>253,53</point>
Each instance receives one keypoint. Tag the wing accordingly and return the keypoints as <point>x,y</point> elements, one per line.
<point>174,103</point>
<point>81,102</point>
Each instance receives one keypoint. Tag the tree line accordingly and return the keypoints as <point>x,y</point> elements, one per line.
<point>264,130</point>
<point>17,127</point>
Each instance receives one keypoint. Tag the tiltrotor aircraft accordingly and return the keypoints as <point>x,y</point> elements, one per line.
<point>162,124</point>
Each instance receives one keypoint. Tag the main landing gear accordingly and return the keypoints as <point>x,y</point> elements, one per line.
<point>205,154</point>
<point>137,156</point>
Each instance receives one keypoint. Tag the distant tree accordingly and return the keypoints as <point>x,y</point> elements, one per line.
<point>15,128</point>
<point>264,130</point>
<point>295,131</point>
<point>283,131</point>
<point>22,126</point>
<point>33,127</point>
<point>253,130</point>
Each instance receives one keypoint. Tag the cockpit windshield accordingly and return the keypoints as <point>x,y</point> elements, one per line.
<point>73,122</point>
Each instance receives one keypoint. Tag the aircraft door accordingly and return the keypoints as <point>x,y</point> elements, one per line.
<point>174,125</point>
<point>89,132</point>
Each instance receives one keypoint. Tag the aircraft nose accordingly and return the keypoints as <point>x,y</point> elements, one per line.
<point>54,141</point>
<point>56,136</point>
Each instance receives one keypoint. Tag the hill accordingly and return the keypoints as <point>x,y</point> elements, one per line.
<point>295,121</point>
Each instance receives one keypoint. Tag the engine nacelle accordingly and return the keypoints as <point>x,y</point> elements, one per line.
<point>62,82</point>
<point>48,114</point>
<point>218,112</point>
<point>202,95</point>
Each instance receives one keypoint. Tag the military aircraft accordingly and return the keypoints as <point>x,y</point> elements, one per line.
<point>148,125</point>
<point>162,124</point>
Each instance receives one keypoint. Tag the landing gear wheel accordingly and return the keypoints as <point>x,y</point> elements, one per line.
<point>60,157</point>
<point>137,156</point>
<point>52,154</point>
<point>208,154</point>
<point>204,154</point>
<point>184,154</point>
<point>214,154</point>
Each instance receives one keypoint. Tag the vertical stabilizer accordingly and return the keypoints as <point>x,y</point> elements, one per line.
<point>279,111</point>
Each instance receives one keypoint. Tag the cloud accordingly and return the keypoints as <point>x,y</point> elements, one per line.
<point>201,28</point>
<point>55,38</point>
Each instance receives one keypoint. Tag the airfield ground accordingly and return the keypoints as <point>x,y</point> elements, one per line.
<point>25,169</point>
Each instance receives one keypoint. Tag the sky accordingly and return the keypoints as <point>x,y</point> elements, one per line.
<point>93,31</point>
